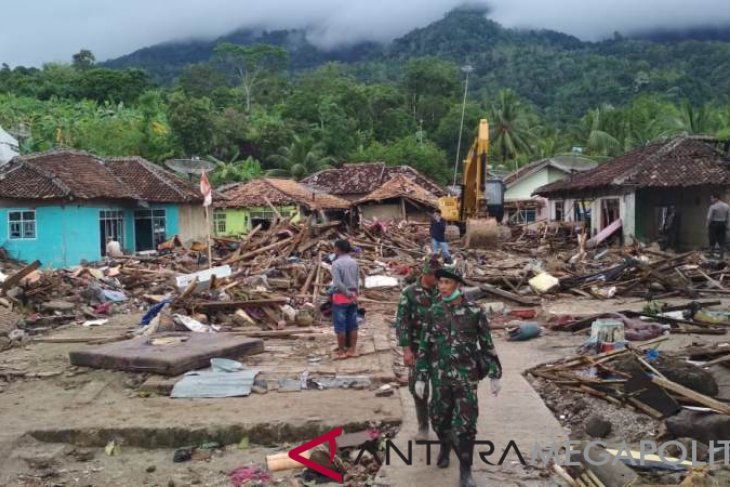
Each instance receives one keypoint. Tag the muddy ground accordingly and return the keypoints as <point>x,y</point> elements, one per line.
<point>76,410</point>
<point>57,419</point>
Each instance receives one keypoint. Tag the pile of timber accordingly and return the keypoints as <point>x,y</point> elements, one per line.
<point>693,319</point>
<point>646,389</point>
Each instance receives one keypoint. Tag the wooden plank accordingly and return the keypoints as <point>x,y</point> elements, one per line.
<point>693,395</point>
<point>15,279</point>
<point>262,250</point>
<point>720,360</point>
<point>505,294</point>
<point>251,303</point>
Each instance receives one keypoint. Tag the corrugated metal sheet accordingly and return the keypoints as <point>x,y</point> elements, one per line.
<point>226,378</point>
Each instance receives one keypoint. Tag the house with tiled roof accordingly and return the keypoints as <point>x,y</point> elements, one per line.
<point>658,189</point>
<point>399,198</point>
<point>60,207</point>
<point>257,202</point>
<point>521,206</point>
<point>357,180</point>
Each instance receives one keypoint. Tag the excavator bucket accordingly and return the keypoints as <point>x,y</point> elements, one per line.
<point>483,233</point>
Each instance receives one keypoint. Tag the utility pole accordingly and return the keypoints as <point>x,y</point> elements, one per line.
<point>468,70</point>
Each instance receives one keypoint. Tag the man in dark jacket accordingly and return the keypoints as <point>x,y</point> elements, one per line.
<point>438,236</point>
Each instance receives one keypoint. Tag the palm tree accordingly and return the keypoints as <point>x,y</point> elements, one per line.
<point>696,121</point>
<point>511,126</point>
<point>599,131</point>
<point>235,170</point>
<point>299,159</point>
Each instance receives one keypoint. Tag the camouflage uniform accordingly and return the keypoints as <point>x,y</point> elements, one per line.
<point>455,335</point>
<point>415,302</point>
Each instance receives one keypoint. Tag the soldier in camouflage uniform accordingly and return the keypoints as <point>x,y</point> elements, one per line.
<point>456,352</point>
<point>415,302</point>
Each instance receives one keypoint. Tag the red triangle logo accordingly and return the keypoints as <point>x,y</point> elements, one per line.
<point>330,438</point>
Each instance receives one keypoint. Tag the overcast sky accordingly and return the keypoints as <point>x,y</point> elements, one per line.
<point>36,31</point>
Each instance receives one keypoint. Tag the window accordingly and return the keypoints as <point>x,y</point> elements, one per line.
<point>22,225</point>
<point>219,222</point>
<point>268,214</point>
<point>559,211</point>
<point>528,215</point>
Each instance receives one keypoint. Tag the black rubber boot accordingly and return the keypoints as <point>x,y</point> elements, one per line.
<point>443,459</point>
<point>466,458</point>
<point>422,415</point>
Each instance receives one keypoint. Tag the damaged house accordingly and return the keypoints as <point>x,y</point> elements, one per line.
<point>522,206</point>
<point>659,191</point>
<point>400,198</point>
<point>258,202</point>
<point>356,181</point>
<point>60,207</point>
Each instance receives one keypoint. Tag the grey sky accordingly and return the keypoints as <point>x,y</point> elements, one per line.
<point>37,31</point>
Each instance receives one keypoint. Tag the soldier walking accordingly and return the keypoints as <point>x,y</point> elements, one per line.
<point>456,352</point>
<point>415,302</point>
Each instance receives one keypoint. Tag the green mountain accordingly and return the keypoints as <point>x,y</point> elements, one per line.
<point>560,74</point>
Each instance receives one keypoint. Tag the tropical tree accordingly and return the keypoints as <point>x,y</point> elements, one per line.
<point>299,159</point>
<point>511,126</point>
<point>697,120</point>
<point>83,59</point>
<point>596,132</point>
<point>235,170</point>
<point>251,63</point>
<point>191,120</point>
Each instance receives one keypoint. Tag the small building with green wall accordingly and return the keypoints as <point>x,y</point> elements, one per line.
<point>259,202</point>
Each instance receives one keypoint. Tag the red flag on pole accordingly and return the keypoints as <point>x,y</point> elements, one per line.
<point>206,189</point>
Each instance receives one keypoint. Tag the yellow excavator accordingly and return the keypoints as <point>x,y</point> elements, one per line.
<point>480,205</point>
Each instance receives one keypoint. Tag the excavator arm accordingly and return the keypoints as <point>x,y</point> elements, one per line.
<point>472,201</point>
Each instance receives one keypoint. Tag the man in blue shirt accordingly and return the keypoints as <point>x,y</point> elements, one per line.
<point>438,236</point>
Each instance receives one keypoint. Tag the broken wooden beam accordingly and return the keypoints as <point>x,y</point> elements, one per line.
<point>15,279</point>
<point>252,303</point>
<point>692,395</point>
<point>506,295</point>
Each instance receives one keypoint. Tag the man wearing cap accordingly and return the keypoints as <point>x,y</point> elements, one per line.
<point>415,302</point>
<point>456,352</point>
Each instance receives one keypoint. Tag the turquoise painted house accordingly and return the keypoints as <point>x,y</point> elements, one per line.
<point>60,207</point>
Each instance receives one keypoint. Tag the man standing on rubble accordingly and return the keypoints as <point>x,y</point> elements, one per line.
<point>415,302</point>
<point>345,280</point>
<point>717,219</point>
<point>113,248</point>
<point>456,352</point>
<point>438,236</point>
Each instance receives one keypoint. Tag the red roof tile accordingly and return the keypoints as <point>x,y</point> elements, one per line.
<point>680,162</point>
<point>151,182</point>
<point>401,187</point>
<point>279,192</point>
<point>364,178</point>
<point>67,175</point>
